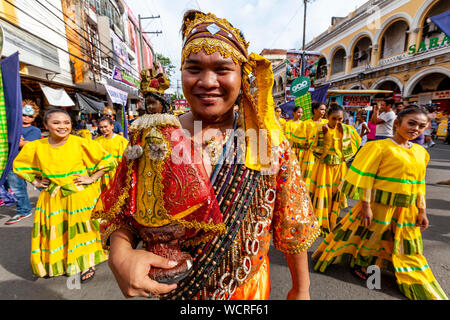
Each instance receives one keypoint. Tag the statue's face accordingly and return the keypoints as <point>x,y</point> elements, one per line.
<point>153,105</point>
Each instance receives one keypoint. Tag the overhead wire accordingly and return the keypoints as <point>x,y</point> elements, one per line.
<point>81,35</point>
<point>60,34</point>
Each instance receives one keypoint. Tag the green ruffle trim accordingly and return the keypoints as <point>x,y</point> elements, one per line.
<point>379,196</point>
<point>363,261</point>
<point>430,291</point>
<point>61,267</point>
<point>332,159</point>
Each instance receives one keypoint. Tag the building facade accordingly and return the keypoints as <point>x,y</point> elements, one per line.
<point>388,45</point>
<point>89,47</point>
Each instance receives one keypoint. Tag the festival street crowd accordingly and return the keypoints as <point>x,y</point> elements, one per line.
<point>183,213</point>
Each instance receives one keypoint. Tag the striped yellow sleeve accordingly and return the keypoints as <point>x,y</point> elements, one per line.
<point>96,158</point>
<point>361,175</point>
<point>421,194</point>
<point>26,165</point>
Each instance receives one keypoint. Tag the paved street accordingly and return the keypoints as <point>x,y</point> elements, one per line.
<point>17,282</point>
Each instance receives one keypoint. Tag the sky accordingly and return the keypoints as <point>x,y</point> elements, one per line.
<point>271,24</point>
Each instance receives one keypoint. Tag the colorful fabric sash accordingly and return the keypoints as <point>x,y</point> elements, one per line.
<point>3,130</point>
<point>234,185</point>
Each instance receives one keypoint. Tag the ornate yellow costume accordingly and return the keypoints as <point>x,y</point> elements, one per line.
<point>64,240</point>
<point>392,179</point>
<point>307,134</point>
<point>115,146</point>
<point>332,150</point>
<point>294,131</point>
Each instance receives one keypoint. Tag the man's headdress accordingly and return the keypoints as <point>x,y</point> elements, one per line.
<point>211,34</point>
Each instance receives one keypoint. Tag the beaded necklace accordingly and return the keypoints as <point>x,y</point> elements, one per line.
<point>234,186</point>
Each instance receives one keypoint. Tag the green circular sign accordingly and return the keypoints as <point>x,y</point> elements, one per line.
<point>300,86</point>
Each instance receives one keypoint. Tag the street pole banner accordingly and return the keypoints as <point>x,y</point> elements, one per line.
<point>13,103</point>
<point>305,103</point>
<point>300,86</point>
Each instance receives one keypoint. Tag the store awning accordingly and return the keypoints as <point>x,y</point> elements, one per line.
<point>89,105</point>
<point>57,97</point>
<point>443,21</point>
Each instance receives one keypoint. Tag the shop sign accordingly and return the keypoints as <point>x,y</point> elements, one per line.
<point>181,104</point>
<point>117,96</point>
<point>356,101</point>
<point>440,95</point>
<point>120,51</point>
<point>121,76</point>
<point>433,43</point>
<point>397,97</point>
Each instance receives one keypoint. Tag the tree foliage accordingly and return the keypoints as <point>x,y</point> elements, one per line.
<point>166,64</point>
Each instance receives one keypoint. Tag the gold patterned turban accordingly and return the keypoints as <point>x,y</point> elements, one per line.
<point>211,34</point>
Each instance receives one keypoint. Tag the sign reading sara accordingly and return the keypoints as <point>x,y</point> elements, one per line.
<point>300,86</point>
<point>434,43</point>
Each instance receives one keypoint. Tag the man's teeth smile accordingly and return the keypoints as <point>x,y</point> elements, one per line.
<point>208,96</point>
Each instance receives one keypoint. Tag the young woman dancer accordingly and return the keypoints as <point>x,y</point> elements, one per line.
<point>384,227</point>
<point>114,143</point>
<point>294,132</point>
<point>335,144</point>
<point>64,239</point>
<point>309,130</point>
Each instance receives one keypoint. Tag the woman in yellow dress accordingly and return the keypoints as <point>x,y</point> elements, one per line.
<point>384,227</point>
<point>114,143</point>
<point>309,131</point>
<point>335,144</point>
<point>64,239</point>
<point>281,120</point>
<point>295,125</point>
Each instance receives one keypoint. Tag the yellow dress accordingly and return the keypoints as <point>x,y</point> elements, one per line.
<point>115,146</point>
<point>294,133</point>
<point>64,239</point>
<point>307,160</point>
<point>282,123</point>
<point>392,179</point>
<point>84,133</point>
<point>329,171</point>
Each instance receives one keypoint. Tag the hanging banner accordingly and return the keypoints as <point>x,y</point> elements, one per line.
<point>305,103</point>
<point>120,52</point>
<point>13,102</point>
<point>121,76</point>
<point>117,96</point>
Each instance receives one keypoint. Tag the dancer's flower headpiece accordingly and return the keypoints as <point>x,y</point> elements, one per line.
<point>212,34</point>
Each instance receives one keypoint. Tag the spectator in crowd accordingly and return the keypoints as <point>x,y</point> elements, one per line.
<point>111,113</point>
<point>18,185</point>
<point>384,120</point>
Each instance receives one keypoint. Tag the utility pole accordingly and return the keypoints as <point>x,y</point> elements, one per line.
<point>305,3</point>
<point>141,38</point>
<point>178,88</point>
